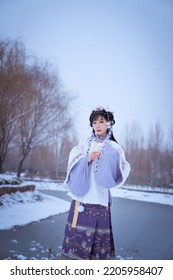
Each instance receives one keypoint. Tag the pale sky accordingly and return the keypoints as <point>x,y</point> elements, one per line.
<point>116,53</point>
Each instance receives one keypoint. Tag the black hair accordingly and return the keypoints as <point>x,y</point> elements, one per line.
<point>107,115</point>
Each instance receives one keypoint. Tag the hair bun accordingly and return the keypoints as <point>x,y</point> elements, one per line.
<point>104,112</point>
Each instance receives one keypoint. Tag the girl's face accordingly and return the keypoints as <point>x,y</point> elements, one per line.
<point>100,126</point>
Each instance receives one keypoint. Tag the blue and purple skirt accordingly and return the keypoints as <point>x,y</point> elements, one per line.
<point>91,238</point>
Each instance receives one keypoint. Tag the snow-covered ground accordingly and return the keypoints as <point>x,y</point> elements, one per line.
<point>148,195</point>
<point>23,208</point>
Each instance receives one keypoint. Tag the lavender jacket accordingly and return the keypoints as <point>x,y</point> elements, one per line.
<point>112,170</point>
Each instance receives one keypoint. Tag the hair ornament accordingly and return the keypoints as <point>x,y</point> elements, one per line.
<point>108,125</point>
<point>101,108</point>
<point>103,111</point>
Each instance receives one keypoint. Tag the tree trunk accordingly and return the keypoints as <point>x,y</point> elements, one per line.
<point>1,164</point>
<point>19,167</point>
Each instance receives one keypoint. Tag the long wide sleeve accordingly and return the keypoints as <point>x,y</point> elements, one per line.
<point>78,181</point>
<point>78,170</point>
<point>113,168</point>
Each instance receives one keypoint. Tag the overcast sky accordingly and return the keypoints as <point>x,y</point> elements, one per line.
<point>116,53</point>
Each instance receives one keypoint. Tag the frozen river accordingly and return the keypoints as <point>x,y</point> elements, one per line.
<point>142,230</point>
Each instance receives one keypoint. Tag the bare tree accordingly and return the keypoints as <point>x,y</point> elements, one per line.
<point>134,147</point>
<point>167,160</point>
<point>61,151</point>
<point>11,91</point>
<point>47,112</point>
<point>33,105</point>
<point>155,141</point>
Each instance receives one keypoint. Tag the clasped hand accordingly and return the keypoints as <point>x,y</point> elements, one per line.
<point>93,155</point>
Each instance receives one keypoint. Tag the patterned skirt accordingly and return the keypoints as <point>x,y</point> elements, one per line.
<point>91,237</point>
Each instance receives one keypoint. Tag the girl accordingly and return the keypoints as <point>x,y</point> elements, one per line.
<point>95,166</point>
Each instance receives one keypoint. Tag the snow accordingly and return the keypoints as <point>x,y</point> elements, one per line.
<point>22,208</point>
<point>162,198</point>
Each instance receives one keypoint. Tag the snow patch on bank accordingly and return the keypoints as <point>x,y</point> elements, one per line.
<point>23,208</point>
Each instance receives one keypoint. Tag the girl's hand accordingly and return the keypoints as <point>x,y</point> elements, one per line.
<point>93,155</point>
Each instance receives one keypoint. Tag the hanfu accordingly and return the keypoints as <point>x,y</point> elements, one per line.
<point>88,232</point>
